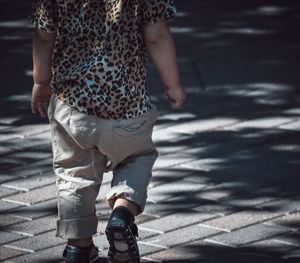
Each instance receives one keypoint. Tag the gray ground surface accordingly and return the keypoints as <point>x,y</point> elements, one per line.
<point>226,185</point>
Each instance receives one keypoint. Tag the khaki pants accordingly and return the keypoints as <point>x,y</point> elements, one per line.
<point>84,147</point>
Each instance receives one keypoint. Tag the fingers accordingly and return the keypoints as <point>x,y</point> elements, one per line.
<point>41,108</point>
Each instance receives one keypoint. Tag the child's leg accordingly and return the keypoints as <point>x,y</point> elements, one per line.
<point>79,168</point>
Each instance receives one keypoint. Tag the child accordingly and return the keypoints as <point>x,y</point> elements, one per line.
<point>89,70</point>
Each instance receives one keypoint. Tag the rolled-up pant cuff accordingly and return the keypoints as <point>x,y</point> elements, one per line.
<point>126,192</point>
<point>76,228</point>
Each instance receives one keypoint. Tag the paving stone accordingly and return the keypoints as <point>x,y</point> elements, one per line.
<point>239,220</point>
<point>170,160</point>
<point>145,233</point>
<point>37,210</point>
<point>101,241</point>
<point>173,189</point>
<point>6,207</point>
<point>292,257</point>
<point>36,243</point>
<point>7,220</point>
<point>268,247</point>
<point>34,227</point>
<point>38,167</point>
<point>167,175</point>
<point>214,207</point>
<point>146,249</point>
<point>102,207</point>
<point>53,254</point>
<point>261,123</point>
<point>8,237</point>
<point>290,220</point>
<point>4,191</point>
<point>284,205</point>
<point>31,182</point>
<point>175,221</point>
<point>8,253</point>
<point>144,217</point>
<point>242,202</point>
<point>182,203</point>
<point>217,192</point>
<point>295,126</point>
<point>24,131</point>
<point>189,252</point>
<point>205,164</point>
<point>292,239</point>
<point>104,189</point>
<point>34,196</point>
<point>181,236</point>
<point>203,125</point>
<point>248,234</point>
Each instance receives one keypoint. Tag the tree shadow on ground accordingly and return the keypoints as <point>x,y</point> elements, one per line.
<point>238,62</point>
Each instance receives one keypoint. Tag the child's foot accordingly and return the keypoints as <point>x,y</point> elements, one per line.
<point>121,232</point>
<point>81,255</point>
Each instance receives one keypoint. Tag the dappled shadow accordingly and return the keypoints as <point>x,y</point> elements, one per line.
<point>235,136</point>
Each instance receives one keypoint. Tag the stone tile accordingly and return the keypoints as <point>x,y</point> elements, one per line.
<point>284,205</point>
<point>37,210</point>
<point>34,196</point>
<point>189,252</point>
<point>34,227</point>
<point>292,257</point>
<point>144,217</point>
<point>6,207</point>
<point>7,220</point>
<point>52,254</point>
<point>8,253</point>
<point>290,220</point>
<point>268,247</point>
<point>173,189</point>
<point>104,189</point>
<point>4,191</point>
<point>7,237</point>
<point>31,182</point>
<point>146,249</point>
<point>163,176</point>
<point>243,202</point>
<point>175,221</point>
<point>261,123</point>
<point>213,207</point>
<point>101,241</point>
<point>181,203</point>
<point>248,235</point>
<point>102,207</point>
<point>38,167</point>
<point>203,125</point>
<point>145,233</point>
<point>181,236</point>
<point>36,243</point>
<point>239,220</point>
<point>292,239</point>
<point>171,160</point>
<point>295,126</point>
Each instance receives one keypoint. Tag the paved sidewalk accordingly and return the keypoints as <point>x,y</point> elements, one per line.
<point>226,185</point>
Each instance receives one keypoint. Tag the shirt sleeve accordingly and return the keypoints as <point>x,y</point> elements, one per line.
<point>154,10</point>
<point>44,15</point>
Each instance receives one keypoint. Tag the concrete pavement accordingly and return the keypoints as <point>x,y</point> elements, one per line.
<point>225,188</point>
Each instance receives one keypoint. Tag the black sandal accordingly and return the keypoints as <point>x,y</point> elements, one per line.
<point>121,232</point>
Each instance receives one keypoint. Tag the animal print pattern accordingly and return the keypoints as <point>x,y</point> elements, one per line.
<point>99,60</point>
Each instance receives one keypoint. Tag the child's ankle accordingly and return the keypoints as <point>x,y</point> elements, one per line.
<point>83,242</point>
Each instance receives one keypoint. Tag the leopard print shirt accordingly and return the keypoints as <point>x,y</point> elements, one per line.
<point>99,59</point>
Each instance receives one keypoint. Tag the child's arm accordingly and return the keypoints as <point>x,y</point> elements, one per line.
<point>161,48</point>
<point>43,44</point>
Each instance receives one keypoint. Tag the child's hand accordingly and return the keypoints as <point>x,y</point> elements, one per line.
<point>41,94</point>
<point>177,96</point>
